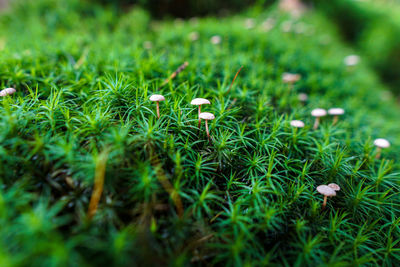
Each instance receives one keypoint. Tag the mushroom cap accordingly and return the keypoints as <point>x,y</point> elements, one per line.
<point>382,143</point>
<point>351,60</point>
<point>334,186</point>
<point>303,97</point>
<point>249,23</point>
<point>326,190</point>
<point>199,101</point>
<point>318,112</point>
<point>336,111</point>
<point>157,98</point>
<point>290,77</point>
<point>216,39</point>
<point>194,36</point>
<point>297,123</point>
<point>7,91</point>
<point>207,116</point>
<point>147,45</point>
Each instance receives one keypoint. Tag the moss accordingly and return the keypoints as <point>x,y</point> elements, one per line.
<point>170,196</point>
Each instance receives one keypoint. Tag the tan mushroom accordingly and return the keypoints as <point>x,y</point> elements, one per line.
<point>198,102</point>
<point>249,23</point>
<point>334,186</point>
<point>351,60</point>
<point>147,45</point>
<point>380,143</point>
<point>7,91</point>
<point>303,97</point>
<point>327,192</point>
<point>157,99</point>
<point>297,124</point>
<point>290,78</point>
<point>194,36</point>
<point>335,112</point>
<point>216,39</point>
<point>317,113</point>
<point>207,116</point>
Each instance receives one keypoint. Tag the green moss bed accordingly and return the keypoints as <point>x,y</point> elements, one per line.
<point>81,114</point>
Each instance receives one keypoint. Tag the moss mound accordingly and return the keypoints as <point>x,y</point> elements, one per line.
<point>81,115</point>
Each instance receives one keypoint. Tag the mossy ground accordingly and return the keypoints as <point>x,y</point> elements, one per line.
<point>81,111</point>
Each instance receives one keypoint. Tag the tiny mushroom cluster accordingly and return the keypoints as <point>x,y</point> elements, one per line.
<point>320,112</point>
<point>196,102</point>
<point>7,91</point>
<point>328,191</point>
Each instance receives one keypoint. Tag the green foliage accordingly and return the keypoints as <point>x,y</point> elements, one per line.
<point>248,196</point>
<point>374,27</point>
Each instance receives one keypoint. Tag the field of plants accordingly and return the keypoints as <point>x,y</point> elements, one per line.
<point>90,175</point>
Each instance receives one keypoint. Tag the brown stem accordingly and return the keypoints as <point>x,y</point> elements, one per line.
<point>378,153</point>
<point>324,204</point>
<point>99,177</point>
<point>335,119</point>
<point>237,73</point>
<point>316,123</point>
<point>199,116</point>
<point>175,73</point>
<point>158,109</point>
<point>208,134</point>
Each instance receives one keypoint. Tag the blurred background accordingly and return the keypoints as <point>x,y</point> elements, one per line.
<point>372,27</point>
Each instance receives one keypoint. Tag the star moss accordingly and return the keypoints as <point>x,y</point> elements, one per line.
<point>82,116</point>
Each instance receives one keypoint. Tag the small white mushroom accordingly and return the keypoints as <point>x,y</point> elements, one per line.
<point>157,99</point>
<point>303,97</point>
<point>380,143</point>
<point>297,124</point>
<point>327,192</point>
<point>249,23</point>
<point>198,102</point>
<point>295,7</point>
<point>351,60</point>
<point>194,36</point>
<point>207,116</point>
<point>216,39</point>
<point>334,186</point>
<point>317,113</point>
<point>7,91</point>
<point>335,112</point>
<point>290,78</point>
<point>147,45</point>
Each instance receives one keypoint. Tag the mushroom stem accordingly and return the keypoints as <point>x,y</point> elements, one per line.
<point>208,133</point>
<point>316,123</point>
<point>199,116</point>
<point>324,204</point>
<point>378,153</point>
<point>335,119</point>
<point>294,135</point>
<point>158,109</point>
